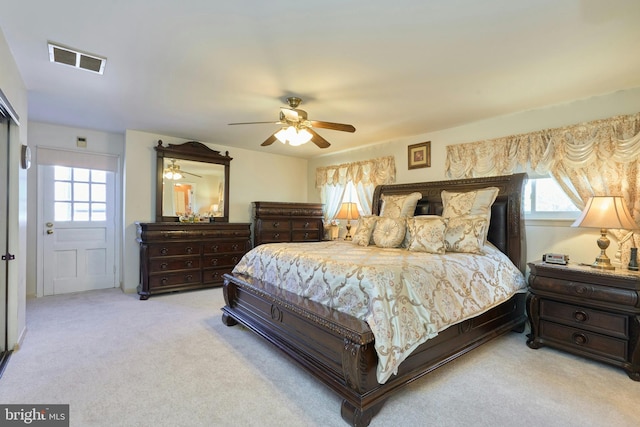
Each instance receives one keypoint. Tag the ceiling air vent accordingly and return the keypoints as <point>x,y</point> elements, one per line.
<point>75,58</point>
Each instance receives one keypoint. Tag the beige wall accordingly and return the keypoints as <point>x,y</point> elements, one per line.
<point>543,236</point>
<point>254,176</point>
<point>15,91</point>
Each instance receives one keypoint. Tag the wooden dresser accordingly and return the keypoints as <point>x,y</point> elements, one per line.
<point>585,311</point>
<point>287,222</point>
<point>180,256</point>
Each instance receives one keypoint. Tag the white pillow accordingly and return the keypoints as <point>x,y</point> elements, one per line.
<point>363,235</point>
<point>466,234</point>
<point>426,233</point>
<point>389,232</point>
<point>397,206</point>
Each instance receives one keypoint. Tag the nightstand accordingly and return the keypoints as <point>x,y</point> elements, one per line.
<point>586,311</point>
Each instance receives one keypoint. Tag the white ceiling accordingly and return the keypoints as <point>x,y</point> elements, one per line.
<point>187,68</point>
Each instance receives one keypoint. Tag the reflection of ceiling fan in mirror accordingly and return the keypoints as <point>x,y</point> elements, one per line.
<point>173,171</point>
<point>296,129</point>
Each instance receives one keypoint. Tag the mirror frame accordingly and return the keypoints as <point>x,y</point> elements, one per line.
<point>194,151</point>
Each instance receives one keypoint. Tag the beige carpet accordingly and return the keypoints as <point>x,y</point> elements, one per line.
<point>170,361</point>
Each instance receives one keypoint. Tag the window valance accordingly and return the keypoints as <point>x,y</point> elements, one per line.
<point>376,172</point>
<point>616,139</point>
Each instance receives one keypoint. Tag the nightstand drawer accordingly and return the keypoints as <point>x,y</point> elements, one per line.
<point>615,325</point>
<point>611,348</point>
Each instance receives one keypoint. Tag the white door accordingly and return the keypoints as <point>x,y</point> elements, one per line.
<point>78,229</point>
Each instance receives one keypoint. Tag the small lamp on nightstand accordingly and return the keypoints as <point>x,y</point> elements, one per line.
<point>348,211</point>
<point>605,212</point>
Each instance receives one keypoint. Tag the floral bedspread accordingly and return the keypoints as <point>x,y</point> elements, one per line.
<point>405,297</point>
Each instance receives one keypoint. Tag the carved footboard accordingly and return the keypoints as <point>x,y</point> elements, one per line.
<point>339,350</point>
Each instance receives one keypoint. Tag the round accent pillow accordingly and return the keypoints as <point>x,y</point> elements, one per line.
<point>389,232</point>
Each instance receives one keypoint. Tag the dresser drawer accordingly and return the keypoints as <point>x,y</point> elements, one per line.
<point>214,275</point>
<point>165,280</point>
<point>275,236</point>
<point>225,247</point>
<point>305,224</point>
<point>275,225</point>
<point>174,249</point>
<point>611,348</point>
<point>221,260</point>
<point>175,263</point>
<point>615,325</point>
<point>305,236</point>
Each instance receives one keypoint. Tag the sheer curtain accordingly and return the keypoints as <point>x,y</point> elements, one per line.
<point>332,182</point>
<point>597,158</point>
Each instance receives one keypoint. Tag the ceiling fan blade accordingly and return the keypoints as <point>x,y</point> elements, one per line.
<point>334,126</point>
<point>318,140</point>
<point>256,123</point>
<point>269,140</point>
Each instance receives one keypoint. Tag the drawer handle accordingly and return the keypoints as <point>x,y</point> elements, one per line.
<point>189,263</point>
<point>580,339</point>
<point>276,224</point>
<point>214,261</point>
<point>189,277</point>
<point>214,248</point>
<point>164,251</point>
<point>306,225</point>
<point>276,236</point>
<point>234,247</point>
<point>164,266</point>
<point>306,236</point>
<point>189,249</point>
<point>214,275</point>
<point>164,280</point>
<point>580,316</point>
<point>234,259</point>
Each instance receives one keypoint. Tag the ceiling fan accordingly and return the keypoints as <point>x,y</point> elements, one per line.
<point>173,171</point>
<point>297,129</point>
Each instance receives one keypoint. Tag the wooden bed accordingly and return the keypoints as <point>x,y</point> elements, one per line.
<point>338,348</point>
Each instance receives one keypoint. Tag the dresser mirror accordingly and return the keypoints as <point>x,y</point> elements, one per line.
<point>192,183</point>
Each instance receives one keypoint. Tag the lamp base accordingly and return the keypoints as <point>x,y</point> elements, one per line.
<point>348,235</point>
<point>603,262</point>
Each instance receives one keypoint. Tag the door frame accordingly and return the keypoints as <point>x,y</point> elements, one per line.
<point>40,216</point>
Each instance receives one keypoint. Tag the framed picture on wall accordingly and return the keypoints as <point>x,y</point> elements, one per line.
<point>420,155</point>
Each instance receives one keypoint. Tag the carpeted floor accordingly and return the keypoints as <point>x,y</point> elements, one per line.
<point>170,361</point>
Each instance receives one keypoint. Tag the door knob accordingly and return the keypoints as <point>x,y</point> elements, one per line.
<point>49,231</point>
<point>49,224</point>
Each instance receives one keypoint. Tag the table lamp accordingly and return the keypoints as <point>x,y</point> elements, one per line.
<point>605,212</point>
<point>348,211</point>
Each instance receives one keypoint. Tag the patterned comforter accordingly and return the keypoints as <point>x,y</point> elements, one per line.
<point>405,297</point>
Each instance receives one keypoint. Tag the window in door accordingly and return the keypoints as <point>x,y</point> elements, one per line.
<point>80,194</point>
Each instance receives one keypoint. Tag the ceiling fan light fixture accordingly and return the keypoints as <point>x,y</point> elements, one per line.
<point>293,136</point>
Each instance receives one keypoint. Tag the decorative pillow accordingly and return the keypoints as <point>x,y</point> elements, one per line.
<point>364,233</point>
<point>466,234</point>
<point>426,234</point>
<point>389,232</point>
<point>399,206</point>
<point>470,203</point>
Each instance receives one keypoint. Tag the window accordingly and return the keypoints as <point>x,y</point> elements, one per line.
<point>80,194</point>
<point>543,198</point>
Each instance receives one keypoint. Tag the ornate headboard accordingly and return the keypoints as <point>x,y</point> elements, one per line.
<point>506,230</point>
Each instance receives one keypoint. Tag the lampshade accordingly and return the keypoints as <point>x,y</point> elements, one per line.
<point>293,136</point>
<point>605,212</point>
<point>348,211</point>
